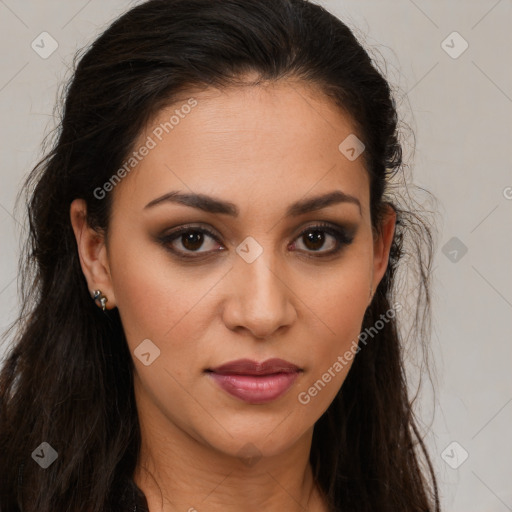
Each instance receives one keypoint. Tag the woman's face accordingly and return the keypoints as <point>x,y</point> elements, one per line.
<point>277,261</point>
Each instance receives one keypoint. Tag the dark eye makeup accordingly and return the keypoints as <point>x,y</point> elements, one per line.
<point>312,238</point>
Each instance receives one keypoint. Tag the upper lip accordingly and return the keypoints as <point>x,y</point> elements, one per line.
<point>249,367</point>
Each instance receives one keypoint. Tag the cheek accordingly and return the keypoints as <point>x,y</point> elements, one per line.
<point>336,310</point>
<point>150,295</point>
<point>340,298</point>
<point>344,304</point>
<point>157,303</point>
<point>342,310</point>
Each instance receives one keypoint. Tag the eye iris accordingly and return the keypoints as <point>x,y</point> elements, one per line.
<point>192,240</point>
<point>314,236</point>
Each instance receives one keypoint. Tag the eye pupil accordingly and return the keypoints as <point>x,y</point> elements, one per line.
<point>192,240</point>
<point>313,237</point>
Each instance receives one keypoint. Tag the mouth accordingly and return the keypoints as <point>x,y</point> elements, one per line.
<point>254,382</point>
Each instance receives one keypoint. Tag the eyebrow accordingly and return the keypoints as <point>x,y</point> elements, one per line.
<point>217,206</point>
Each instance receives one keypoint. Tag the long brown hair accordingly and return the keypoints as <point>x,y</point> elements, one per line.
<point>68,378</point>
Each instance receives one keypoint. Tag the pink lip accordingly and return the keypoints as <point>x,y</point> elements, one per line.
<point>254,382</point>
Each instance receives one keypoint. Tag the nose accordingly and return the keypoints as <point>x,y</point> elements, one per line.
<point>260,300</point>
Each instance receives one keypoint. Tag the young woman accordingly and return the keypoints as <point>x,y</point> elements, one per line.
<point>209,315</point>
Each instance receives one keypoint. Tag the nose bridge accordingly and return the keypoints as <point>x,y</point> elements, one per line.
<point>262,300</point>
<point>260,279</point>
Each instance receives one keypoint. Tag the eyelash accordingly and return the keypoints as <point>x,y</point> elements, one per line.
<point>339,234</point>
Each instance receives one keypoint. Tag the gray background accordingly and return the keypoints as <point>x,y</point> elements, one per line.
<point>460,109</point>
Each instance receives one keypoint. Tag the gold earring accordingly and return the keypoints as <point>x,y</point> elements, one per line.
<point>98,296</point>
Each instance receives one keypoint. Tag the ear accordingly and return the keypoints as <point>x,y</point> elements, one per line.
<point>382,240</point>
<point>92,252</point>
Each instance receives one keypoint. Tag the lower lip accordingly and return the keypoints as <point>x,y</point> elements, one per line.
<point>255,389</point>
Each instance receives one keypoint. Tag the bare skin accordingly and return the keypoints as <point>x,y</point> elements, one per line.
<point>261,148</point>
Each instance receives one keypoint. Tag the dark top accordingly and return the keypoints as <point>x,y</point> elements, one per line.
<point>132,498</point>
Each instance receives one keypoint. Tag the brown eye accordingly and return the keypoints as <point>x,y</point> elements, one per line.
<point>192,240</point>
<point>189,240</point>
<point>315,237</point>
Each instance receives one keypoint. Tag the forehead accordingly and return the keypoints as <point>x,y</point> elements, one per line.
<point>262,142</point>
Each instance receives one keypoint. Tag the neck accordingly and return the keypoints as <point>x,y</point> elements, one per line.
<point>178,472</point>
